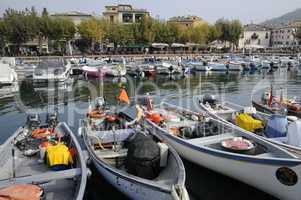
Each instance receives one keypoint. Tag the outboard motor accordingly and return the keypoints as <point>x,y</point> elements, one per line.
<point>294,134</point>
<point>209,99</point>
<point>33,121</point>
<point>52,120</point>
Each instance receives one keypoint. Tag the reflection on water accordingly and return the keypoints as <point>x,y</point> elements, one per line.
<point>71,101</point>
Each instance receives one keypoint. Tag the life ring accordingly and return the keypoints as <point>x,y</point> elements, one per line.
<point>41,133</point>
<point>96,114</point>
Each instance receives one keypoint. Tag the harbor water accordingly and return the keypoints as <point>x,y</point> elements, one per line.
<point>71,101</point>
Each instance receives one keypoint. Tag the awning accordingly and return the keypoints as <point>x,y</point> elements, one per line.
<point>160,45</point>
<point>177,45</point>
<point>136,46</point>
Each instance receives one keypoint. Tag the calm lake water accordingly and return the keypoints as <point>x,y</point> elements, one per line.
<point>71,101</point>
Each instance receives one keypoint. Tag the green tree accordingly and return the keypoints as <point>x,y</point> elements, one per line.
<point>214,33</point>
<point>62,31</point>
<point>144,31</point>
<point>235,30</point>
<point>166,32</point>
<point>92,30</point>
<point>230,30</point>
<point>21,26</point>
<point>223,27</point>
<point>2,37</point>
<point>45,24</point>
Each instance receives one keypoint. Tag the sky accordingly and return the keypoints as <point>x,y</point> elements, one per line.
<point>247,11</point>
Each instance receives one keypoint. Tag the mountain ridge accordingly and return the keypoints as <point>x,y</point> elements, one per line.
<point>285,19</point>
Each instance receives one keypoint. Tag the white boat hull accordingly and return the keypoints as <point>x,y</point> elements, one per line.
<point>258,175</point>
<point>132,190</point>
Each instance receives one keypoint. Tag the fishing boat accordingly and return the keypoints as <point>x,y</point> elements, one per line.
<point>132,159</point>
<point>43,159</point>
<point>52,70</point>
<point>8,75</point>
<point>272,104</point>
<point>282,130</point>
<point>226,149</point>
<point>102,68</point>
<point>199,65</point>
<point>166,67</point>
<point>216,66</point>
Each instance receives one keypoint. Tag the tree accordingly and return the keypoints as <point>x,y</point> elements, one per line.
<point>92,30</point>
<point>199,34</point>
<point>214,33</point>
<point>144,31</point>
<point>235,30</point>
<point>230,30</point>
<point>21,26</point>
<point>62,31</point>
<point>166,32</point>
<point>2,37</point>
<point>45,24</point>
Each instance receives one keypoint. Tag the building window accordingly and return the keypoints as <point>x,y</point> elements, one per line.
<point>267,36</point>
<point>287,43</point>
<point>138,17</point>
<point>259,42</point>
<point>127,18</point>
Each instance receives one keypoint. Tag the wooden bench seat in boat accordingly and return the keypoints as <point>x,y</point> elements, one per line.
<point>107,154</point>
<point>41,178</point>
<point>182,124</point>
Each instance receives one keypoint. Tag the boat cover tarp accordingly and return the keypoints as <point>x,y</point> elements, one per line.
<point>248,123</point>
<point>294,134</point>
<point>143,158</point>
<point>59,155</point>
<point>277,126</point>
<point>21,192</point>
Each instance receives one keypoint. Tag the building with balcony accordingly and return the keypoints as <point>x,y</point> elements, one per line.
<point>285,36</point>
<point>187,21</point>
<point>255,37</point>
<point>124,14</point>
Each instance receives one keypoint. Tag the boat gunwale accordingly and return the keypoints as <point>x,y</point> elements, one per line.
<point>289,147</point>
<point>83,167</point>
<point>230,155</point>
<point>136,179</point>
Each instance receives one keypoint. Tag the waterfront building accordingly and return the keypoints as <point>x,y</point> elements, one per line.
<point>75,16</point>
<point>255,37</point>
<point>124,14</point>
<point>187,21</point>
<point>285,36</point>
